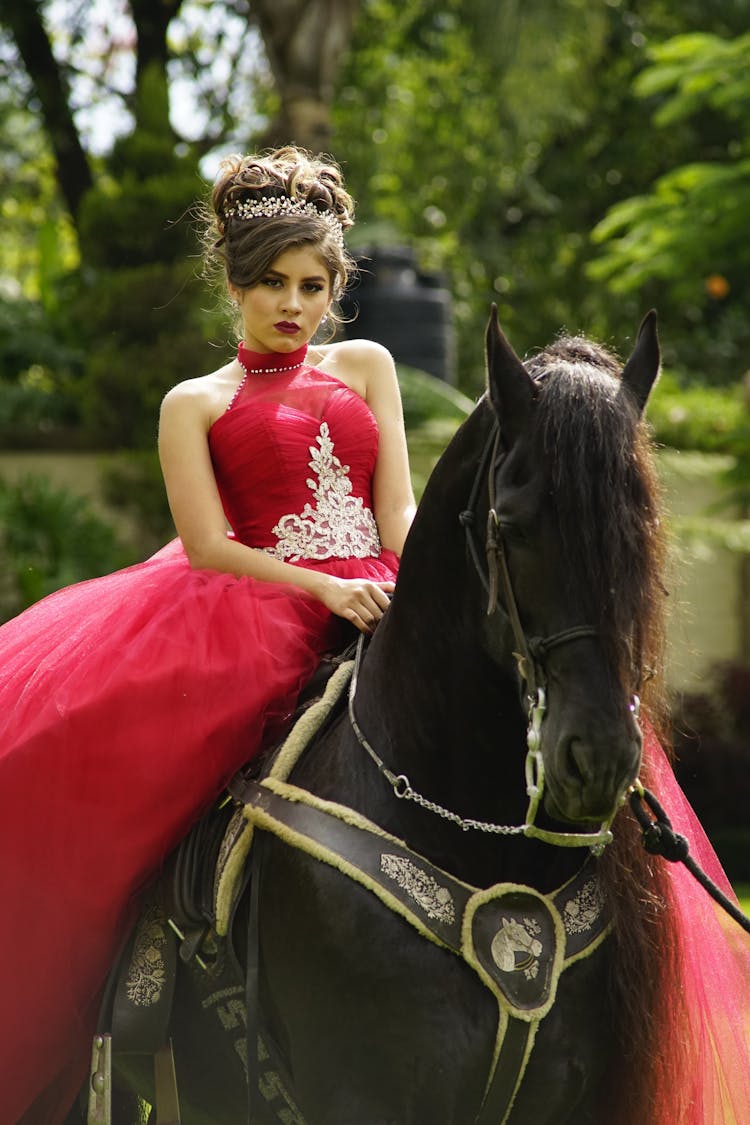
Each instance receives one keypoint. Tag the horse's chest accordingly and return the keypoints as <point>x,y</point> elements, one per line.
<point>406,1019</point>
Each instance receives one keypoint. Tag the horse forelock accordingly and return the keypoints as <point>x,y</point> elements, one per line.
<point>597,459</point>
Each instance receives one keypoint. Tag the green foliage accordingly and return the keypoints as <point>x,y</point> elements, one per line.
<point>137,213</point>
<point>28,336</point>
<point>687,232</point>
<point>443,118</point>
<point>433,411</point>
<point>696,70</point>
<point>35,412</point>
<point>38,243</point>
<point>683,232</point>
<point>494,138</point>
<point>426,399</point>
<point>49,538</point>
<point>699,417</point>
<point>145,333</point>
<point>36,374</point>
<point>132,482</point>
<point>138,300</point>
<point>709,420</point>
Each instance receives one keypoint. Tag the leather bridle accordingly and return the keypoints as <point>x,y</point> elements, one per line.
<point>530,655</point>
<point>530,652</point>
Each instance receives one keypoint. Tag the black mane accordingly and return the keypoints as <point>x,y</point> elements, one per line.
<point>594,447</point>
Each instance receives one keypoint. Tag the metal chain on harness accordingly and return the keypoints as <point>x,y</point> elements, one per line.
<point>404,790</point>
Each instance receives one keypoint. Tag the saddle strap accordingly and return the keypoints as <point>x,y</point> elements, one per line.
<point>507,1072</point>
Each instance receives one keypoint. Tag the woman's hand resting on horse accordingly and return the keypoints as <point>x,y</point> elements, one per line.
<point>357,600</point>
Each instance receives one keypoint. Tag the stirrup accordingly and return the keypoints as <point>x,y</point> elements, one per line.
<point>100,1082</point>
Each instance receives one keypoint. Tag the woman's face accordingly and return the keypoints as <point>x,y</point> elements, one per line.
<point>282,312</point>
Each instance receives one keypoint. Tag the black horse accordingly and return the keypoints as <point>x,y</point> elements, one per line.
<point>526,621</point>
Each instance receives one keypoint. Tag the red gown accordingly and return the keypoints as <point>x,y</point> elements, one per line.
<point>128,701</point>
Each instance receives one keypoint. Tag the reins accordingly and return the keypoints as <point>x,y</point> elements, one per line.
<point>659,838</point>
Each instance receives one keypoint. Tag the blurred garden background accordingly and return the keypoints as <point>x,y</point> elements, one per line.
<point>575,162</point>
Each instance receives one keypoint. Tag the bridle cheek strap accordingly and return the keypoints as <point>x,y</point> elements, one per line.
<point>499,575</point>
<point>529,655</point>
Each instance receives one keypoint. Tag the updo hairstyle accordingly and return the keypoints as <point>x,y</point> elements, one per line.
<point>245,248</point>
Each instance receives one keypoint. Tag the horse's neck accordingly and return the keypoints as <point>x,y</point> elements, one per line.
<point>459,752</point>
<point>442,706</point>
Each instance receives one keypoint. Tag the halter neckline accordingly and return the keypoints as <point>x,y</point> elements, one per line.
<point>269,363</point>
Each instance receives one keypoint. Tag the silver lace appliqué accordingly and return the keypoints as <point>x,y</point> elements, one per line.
<point>435,900</point>
<point>581,912</point>
<point>147,974</point>
<point>338,525</point>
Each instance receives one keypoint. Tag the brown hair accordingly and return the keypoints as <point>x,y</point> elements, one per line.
<point>243,249</point>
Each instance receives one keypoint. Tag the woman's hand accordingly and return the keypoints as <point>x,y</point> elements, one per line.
<point>357,600</point>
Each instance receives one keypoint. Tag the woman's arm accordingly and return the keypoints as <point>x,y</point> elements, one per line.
<point>373,374</point>
<point>199,517</point>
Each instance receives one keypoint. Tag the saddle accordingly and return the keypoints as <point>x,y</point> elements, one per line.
<point>187,918</point>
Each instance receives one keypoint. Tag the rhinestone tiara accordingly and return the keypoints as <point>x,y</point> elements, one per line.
<point>282,205</point>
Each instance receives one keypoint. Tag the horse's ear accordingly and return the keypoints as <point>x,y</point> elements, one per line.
<point>510,386</point>
<point>642,369</point>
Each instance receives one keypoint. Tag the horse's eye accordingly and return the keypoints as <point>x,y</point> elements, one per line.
<point>513,529</point>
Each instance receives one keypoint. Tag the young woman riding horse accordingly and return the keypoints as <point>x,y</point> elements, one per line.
<point>130,700</point>
<point>432,939</point>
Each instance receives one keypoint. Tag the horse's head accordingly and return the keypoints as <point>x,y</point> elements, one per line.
<point>576,552</point>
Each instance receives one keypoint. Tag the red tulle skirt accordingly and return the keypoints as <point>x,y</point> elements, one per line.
<point>705,1068</point>
<point>126,704</point>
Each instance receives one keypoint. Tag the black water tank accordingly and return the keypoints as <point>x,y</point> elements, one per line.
<point>407,311</point>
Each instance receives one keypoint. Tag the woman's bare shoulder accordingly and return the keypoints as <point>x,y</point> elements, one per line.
<point>361,364</point>
<point>207,394</point>
<point>201,385</point>
<point>357,352</point>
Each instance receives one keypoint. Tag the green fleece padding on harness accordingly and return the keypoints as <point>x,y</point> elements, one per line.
<point>238,838</point>
<point>516,939</point>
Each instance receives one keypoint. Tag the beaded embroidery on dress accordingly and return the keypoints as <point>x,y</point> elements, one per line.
<point>338,525</point>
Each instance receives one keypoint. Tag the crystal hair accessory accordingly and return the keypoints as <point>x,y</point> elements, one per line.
<point>272,206</point>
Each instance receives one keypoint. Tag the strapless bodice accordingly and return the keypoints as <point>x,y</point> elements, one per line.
<point>293,457</point>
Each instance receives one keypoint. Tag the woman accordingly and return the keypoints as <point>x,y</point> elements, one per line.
<point>128,701</point>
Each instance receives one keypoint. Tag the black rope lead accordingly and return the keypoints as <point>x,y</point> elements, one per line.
<point>659,838</point>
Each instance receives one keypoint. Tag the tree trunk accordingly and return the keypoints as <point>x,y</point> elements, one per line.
<point>24,21</point>
<point>152,55</point>
<point>305,41</point>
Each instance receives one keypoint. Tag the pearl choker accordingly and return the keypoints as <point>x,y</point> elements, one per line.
<point>268,370</point>
<point>267,363</point>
